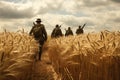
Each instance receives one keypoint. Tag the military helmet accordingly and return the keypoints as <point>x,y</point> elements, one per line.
<point>38,20</point>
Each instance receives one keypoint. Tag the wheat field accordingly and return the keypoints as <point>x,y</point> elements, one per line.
<point>17,52</point>
<point>92,56</point>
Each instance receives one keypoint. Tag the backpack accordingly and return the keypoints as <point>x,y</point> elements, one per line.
<point>79,31</point>
<point>69,32</point>
<point>57,32</point>
<point>37,31</point>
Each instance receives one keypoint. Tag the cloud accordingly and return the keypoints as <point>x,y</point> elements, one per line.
<point>93,3</point>
<point>116,20</point>
<point>49,6</point>
<point>118,1</point>
<point>98,14</point>
<point>12,11</point>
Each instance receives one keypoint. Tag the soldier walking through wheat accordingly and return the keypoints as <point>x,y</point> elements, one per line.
<point>40,34</point>
<point>69,32</point>
<point>56,32</point>
<point>80,29</point>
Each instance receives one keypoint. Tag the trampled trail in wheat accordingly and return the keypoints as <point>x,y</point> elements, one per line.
<point>43,70</point>
<point>17,61</point>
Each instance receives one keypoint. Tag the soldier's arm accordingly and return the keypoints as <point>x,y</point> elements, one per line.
<point>31,31</point>
<point>45,33</point>
<point>53,32</point>
<point>77,31</point>
<point>61,33</point>
<point>71,32</point>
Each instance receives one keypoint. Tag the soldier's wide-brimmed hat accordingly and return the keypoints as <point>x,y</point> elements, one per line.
<point>38,20</point>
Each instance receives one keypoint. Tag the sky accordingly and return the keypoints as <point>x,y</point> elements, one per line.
<point>98,15</point>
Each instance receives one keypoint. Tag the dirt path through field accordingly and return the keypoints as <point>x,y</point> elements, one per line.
<point>43,70</point>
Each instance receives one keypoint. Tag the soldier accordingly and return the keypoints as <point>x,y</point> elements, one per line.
<point>40,34</point>
<point>80,30</point>
<point>68,32</point>
<point>53,33</point>
<point>56,32</point>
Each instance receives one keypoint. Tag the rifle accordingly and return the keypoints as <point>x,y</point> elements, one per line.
<point>34,23</point>
<point>83,26</point>
<point>32,28</point>
<point>61,25</point>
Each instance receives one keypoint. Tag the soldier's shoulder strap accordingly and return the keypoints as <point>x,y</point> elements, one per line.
<point>42,25</point>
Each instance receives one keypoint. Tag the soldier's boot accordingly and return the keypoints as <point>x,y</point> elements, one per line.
<point>40,53</point>
<point>39,56</point>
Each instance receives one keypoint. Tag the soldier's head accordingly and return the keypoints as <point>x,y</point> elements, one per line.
<point>79,26</point>
<point>57,25</point>
<point>38,20</point>
<point>69,28</point>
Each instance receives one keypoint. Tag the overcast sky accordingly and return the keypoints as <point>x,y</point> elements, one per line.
<point>98,14</point>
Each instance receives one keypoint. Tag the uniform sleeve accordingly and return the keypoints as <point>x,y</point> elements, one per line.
<point>61,32</point>
<point>44,33</point>
<point>53,33</point>
<point>71,32</point>
<point>77,31</point>
<point>31,31</point>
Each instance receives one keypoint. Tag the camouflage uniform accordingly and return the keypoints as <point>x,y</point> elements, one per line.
<point>79,30</point>
<point>40,34</point>
<point>68,32</point>
<point>56,32</point>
